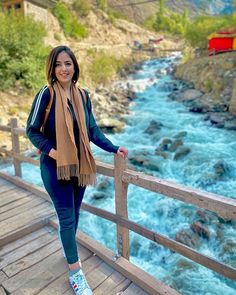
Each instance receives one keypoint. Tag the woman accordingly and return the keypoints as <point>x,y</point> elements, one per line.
<point>66,162</point>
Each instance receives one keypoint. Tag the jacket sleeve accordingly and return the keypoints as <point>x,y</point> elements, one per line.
<point>35,121</point>
<point>95,133</point>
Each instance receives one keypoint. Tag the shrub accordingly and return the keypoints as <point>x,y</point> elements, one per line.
<point>199,29</point>
<point>104,67</point>
<point>69,22</point>
<point>22,51</point>
<point>82,7</point>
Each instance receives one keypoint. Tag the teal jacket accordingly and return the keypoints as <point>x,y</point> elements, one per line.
<point>46,140</point>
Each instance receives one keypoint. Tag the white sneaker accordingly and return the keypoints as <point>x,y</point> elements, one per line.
<point>80,284</point>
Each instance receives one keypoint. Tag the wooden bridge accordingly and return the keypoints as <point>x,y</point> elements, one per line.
<point>31,260</point>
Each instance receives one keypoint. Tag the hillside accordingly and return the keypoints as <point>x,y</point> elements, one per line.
<point>110,38</point>
<point>138,13</point>
<point>115,39</point>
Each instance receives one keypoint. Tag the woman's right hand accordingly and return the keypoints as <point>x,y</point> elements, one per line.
<point>53,154</point>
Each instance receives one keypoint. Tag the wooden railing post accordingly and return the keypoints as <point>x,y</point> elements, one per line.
<point>15,147</point>
<point>121,206</point>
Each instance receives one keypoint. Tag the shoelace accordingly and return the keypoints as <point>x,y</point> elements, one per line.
<point>79,283</point>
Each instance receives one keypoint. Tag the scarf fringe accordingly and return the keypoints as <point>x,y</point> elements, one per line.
<point>66,172</point>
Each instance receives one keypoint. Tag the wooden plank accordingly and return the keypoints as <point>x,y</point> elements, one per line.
<point>25,230</point>
<point>109,284</point>
<point>91,263</point>
<point>33,258</point>
<point>2,291</point>
<point>21,220</point>
<point>135,290</point>
<point>12,196</point>
<point>129,270</point>
<point>15,147</point>
<point>3,277</point>
<point>119,289</point>
<point>5,128</point>
<point>121,207</point>
<point>105,169</point>
<point>21,252</point>
<point>21,209</point>
<point>61,284</point>
<point>25,185</point>
<point>57,287</point>
<point>26,159</point>
<point>12,246</point>
<point>5,188</point>
<point>99,275</point>
<point>36,284</point>
<point>173,245</point>
<point>16,203</point>
<point>223,206</point>
<point>34,277</point>
<point>47,272</point>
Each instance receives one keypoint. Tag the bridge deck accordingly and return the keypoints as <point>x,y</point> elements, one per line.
<point>31,259</point>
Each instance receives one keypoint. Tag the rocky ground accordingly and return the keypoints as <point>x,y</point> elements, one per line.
<point>207,81</point>
<point>115,39</point>
<point>207,87</point>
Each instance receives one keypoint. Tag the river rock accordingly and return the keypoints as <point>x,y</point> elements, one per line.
<point>142,161</point>
<point>110,125</point>
<point>102,185</point>
<point>200,229</point>
<point>98,196</point>
<point>164,145</point>
<point>153,127</point>
<point>190,94</point>
<point>221,168</point>
<point>182,152</point>
<point>230,125</point>
<point>175,144</point>
<point>187,237</point>
<point>181,134</point>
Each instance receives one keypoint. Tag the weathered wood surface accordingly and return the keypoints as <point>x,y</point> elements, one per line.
<point>223,206</point>
<point>32,261</point>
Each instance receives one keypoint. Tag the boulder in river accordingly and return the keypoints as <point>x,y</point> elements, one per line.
<point>153,127</point>
<point>110,125</point>
<point>187,237</point>
<point>181,152</point>
<point>200,229</point>
<point>175,144</point>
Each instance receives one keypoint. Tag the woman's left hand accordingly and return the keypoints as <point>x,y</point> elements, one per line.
<point>123,152</point>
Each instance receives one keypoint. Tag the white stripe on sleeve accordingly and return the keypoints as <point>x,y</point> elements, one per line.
<point>36,109</point>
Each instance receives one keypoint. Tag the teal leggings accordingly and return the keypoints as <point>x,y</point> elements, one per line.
<point>67,197</point>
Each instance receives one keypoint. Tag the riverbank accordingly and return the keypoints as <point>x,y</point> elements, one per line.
<point>207,87</point>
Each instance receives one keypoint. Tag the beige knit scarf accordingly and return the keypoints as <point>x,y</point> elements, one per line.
<point>70,160</point>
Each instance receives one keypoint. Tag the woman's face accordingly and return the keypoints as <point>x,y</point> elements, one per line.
<point>64,68</point>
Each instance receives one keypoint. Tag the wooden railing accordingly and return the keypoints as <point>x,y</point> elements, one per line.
<point>224,207</point>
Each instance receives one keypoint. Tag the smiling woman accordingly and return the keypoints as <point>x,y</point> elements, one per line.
<point>66,162</point>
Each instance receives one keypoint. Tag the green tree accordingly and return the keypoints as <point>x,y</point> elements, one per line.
<point>160,18</point>
<point>22,52</point>
<point>200,28</point>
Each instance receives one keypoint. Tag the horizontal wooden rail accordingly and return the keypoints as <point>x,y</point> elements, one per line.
<point>129,270</point>
<point>5,128</point>
<point>223,206</point>
<point>173,245</point>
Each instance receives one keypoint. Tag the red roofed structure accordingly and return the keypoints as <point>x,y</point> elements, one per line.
<point>222,41</point>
